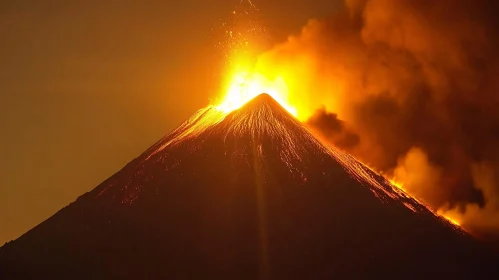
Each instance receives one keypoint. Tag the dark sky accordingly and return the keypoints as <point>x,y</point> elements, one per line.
<point>85,86</point>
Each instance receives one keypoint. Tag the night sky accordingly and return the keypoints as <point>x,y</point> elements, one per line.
<point>86,86</point>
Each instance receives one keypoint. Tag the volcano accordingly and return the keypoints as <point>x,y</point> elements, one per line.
<point>246,195</point>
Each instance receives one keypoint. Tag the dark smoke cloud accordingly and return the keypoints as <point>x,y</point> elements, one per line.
<point>415,82</point>
<point>328,126</point>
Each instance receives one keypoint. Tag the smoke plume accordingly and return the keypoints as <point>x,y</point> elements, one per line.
<point>329,127</point>
<point>410,88</point>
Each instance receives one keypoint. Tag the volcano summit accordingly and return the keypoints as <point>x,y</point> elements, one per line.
<point>252,194</point>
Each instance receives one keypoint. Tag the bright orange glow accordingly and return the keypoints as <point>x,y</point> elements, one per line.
<point>288,83</point>
<point>244,43</point>
<point>244,86</point>
<point>453,221</point>
<point>449,216</point>
<point>397,184</point>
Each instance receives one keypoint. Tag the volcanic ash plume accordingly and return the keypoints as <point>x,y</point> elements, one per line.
<point>409,88</point>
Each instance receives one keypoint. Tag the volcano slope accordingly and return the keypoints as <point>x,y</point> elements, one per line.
<point>249,195</point>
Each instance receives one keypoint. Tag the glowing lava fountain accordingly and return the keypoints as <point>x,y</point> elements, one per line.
<point>245,86</point>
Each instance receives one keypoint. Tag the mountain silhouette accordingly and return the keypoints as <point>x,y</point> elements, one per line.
<point>248,195</point>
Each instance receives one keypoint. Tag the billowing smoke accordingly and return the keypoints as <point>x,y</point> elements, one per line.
<point>411,88</point>
<point>327,126</point>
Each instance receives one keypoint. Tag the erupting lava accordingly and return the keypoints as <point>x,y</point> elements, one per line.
<point>244,38</point>
<point>245,86</point>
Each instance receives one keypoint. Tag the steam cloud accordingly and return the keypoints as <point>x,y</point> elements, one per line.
<point>411,88</point>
